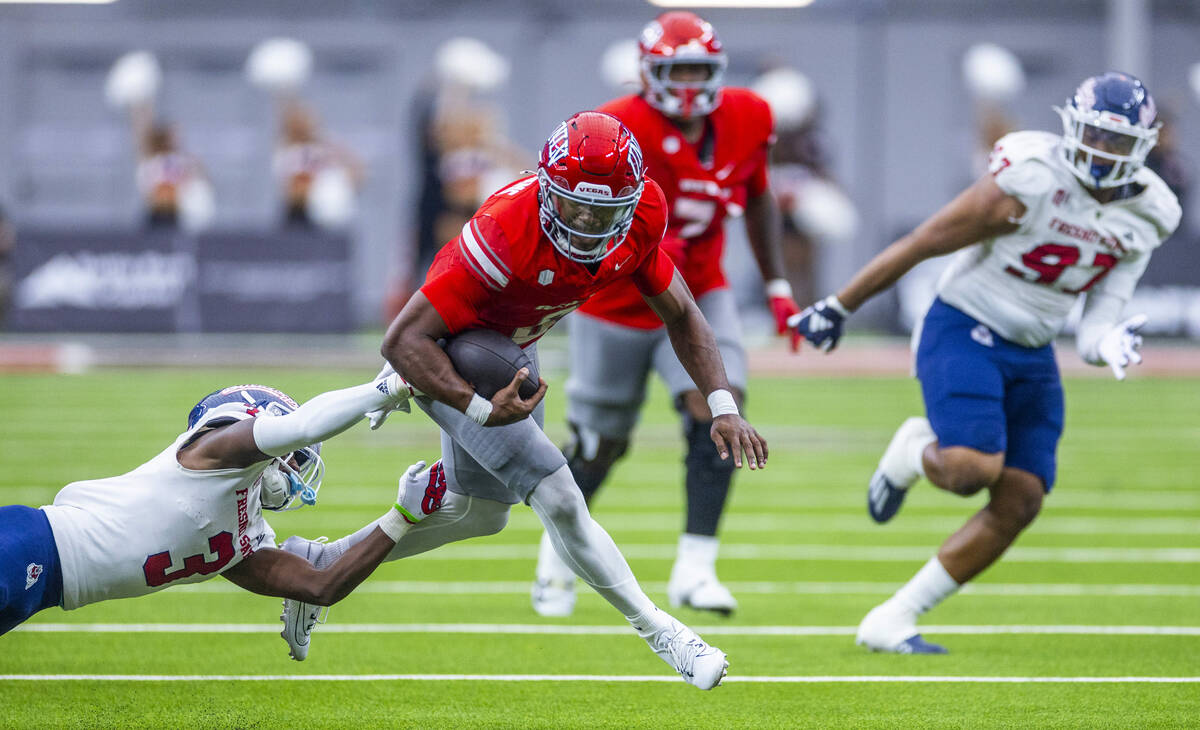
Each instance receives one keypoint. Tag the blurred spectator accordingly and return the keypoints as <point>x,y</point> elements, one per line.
<point>465,155</point>
<point>318,178</point>
<point>474,160</point>
<point>994,77</point>
<point>816,210</point>
<point>173,185</point>
<point>174,189</point>
<point>8,243</point>
<point>991,123</point>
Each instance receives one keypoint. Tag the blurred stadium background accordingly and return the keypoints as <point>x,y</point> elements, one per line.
<point>898,121</point>
<point>902,102</point>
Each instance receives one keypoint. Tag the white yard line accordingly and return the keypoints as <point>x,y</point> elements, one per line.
<point>338,522</point>
<point>557,630</point>
<point>853,498</point>
<point>851,588</point>
<point>800,523</point>
<point>800,679</point>
<point>838,553</point>
<point>850,497</point>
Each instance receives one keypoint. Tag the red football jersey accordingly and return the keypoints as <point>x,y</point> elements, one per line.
<point>503,273</point>
<point>699,195</point>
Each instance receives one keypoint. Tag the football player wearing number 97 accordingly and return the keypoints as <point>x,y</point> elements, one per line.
<point>195,510</point>
<point>1055,219</point>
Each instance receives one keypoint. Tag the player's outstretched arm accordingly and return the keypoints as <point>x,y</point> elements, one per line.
<point>272,572</point>
<point>411,346</point>
<point>696,346</point>
<point>253,440</point>
<point>981,211</point>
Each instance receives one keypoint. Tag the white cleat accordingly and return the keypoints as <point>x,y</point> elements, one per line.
<point>553,593</point>
<point>699,589</point>
<point>699,664</point>
<point>900,462</point>
<point>299,617</point>
<point>894,631</point>
<point>898,469</point>
<point>553,599</point>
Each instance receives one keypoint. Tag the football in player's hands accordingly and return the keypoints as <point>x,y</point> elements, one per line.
<point>489,361</point>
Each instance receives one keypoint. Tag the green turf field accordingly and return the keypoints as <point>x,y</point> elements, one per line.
<point>1106,584</point>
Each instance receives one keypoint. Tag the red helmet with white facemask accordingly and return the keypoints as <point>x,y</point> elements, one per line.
<point>681,39</point>
<point>590,179</point>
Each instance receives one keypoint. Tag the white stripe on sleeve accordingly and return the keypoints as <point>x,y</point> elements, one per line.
<point>474,247</point>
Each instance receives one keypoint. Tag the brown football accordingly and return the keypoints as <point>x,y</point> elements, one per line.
<point>489,361</point>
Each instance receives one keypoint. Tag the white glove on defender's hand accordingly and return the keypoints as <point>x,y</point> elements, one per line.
<point>390,384</point>
<point>1119,348</point>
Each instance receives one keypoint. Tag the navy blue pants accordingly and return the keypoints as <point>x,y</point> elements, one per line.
<point>990,394</point>
<point>30,575</point>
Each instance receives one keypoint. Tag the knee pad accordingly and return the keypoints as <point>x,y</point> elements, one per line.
<point>591,456</point>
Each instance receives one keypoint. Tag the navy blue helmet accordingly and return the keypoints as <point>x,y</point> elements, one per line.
<point>1108,129</point>
<point>294,476</point>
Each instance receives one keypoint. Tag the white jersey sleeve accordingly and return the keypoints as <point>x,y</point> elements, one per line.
<point>1023,284</point>
<point>157,526</point>
<point>1022,165</point>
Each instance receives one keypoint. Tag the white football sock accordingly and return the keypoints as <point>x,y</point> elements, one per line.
<point>584,545</point>
<point>902,462</point>
<point>648,622</point>
<point>337,548</point>
<point>698,551</point>
<point>929,587</point>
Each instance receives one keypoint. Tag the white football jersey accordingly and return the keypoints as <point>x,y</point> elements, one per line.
<point>1023,284</point>
<point>157,526</point>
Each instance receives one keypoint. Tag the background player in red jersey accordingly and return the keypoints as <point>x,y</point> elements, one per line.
<point>707,147</point>
<point>535,251</point>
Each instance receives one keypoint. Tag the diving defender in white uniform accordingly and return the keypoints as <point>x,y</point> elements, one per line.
<point>195,510</point>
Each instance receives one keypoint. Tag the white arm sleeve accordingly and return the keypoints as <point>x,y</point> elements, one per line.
<point>323,417</point>
<point>1105,302</point>
<point>1101,313</point>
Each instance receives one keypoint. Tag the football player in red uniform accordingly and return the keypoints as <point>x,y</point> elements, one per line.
<point>535,251</point>
<point>707,147</point>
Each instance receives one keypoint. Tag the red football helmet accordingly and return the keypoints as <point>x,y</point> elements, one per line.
<point>590,176</point>
<point>680,38</point>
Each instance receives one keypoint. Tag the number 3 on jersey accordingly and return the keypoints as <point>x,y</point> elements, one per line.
<point>1047,262</point>
<point>157,565</point>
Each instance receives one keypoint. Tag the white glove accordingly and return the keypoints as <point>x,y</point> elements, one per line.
<point>1119,348</point>
<point>391,384</point>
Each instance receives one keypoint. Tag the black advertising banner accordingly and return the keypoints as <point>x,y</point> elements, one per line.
<point>283,282</point>
<point>99,281</point>
<point>116,281</point>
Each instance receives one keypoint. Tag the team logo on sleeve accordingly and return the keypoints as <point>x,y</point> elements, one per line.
<point>33,571</point>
